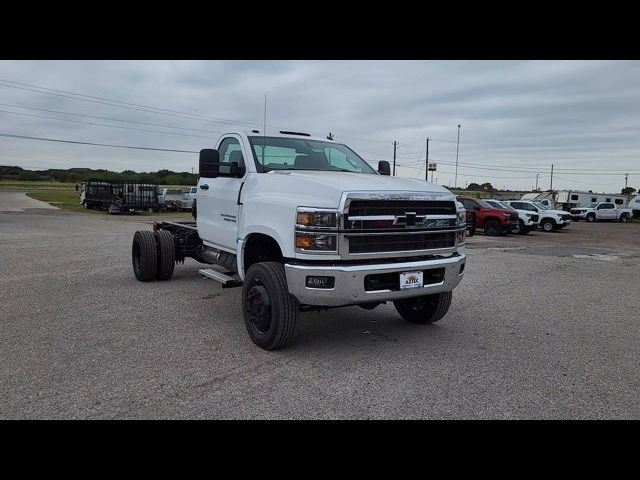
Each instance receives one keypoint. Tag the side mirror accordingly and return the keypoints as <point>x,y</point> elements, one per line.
<point>235,170</point>
<point>384,168</point>
<point>209,163</point>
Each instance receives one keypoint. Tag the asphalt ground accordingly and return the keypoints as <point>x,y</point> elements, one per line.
<point>542,326</point>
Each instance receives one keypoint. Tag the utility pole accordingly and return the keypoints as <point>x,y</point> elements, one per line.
<point>394,157</point>
<point>457,150</point>
<point>626,177</point>
<point>537,181</point>
<point>426,166</point>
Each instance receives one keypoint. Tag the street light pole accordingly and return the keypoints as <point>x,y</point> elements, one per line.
<point>455,183</point>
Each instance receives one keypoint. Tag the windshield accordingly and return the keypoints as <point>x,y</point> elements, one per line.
<point>484,204</point>
<point>592,205</point>
<point>540,206</point>
<point>278,153</point>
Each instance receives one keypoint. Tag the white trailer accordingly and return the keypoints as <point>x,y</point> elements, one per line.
<point>568,199</point>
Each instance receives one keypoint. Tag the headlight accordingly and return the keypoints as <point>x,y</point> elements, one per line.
<point>461,216</point>
<point>312,218</point>
<point>316,241</point>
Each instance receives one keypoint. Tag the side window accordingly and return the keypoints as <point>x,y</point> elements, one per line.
<point>468,204</point>
<point>574,197</point>
<point>229,151</point>
<point>517,206</point>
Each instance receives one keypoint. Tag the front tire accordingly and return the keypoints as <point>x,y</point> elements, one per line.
<point>492,227</point>
<point>269,310</point>
<point>548,226</point>
<point>426,309</point>
<point>590,217</point>
<point>519,229</point>
<point>144,255</point>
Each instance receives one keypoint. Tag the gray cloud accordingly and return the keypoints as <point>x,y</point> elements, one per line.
<point>517,117</point>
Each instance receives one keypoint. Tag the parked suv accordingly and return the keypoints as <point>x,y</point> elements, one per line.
<point>494,221</point>
<point>527,220</point>
<point>550,220</point>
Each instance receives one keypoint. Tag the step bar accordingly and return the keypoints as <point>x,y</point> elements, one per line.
<point>228,280</point>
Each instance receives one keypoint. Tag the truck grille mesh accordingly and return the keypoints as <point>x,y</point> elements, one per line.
<point>399,243</point>
<point>399,207</point>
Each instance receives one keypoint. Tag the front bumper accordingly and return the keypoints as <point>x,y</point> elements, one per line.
<point>349,286</point>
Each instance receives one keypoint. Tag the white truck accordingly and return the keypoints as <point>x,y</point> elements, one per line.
<point>302,223</point>
<point>549,220</point>
<point>602,211</point>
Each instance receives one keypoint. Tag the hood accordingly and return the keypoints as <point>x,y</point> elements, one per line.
<point>554,212</point>
<point>325,189</point>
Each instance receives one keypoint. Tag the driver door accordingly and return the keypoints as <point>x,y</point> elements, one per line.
<point>217,198</point>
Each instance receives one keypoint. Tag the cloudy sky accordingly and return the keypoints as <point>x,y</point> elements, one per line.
<point>517,117</point>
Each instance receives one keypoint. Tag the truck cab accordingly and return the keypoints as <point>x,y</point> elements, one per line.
<point>304,223</point>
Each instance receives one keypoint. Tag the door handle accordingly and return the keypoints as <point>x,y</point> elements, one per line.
<point>204,187</point>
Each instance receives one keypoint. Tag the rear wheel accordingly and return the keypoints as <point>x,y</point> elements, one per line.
<point>624,218</point>
<point>268,308</point>
<point>144,255</point>
<point>492,227</point>
<point>426,309</point>
<point>166,254</point>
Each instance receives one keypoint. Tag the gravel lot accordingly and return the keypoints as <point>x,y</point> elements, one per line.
<point>543,326</point>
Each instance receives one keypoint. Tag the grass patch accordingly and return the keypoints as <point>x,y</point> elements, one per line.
<point>26,185</point>
<point>67,199</point>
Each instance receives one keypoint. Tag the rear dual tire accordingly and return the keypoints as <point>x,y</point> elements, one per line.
<point>153,255</point>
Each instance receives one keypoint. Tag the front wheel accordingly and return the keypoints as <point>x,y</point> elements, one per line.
<point>548,226</point>
<point>426,309</point>
<point>269,311</point>
<point>518,229</point>
<point>492,227</point>
<point>591,217</point>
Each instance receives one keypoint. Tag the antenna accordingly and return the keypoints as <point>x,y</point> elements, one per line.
<point>264,131</point>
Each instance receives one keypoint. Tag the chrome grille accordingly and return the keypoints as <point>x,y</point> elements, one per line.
<point>385,226</point>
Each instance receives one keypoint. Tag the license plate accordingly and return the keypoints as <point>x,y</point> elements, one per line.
<point>411,280</point>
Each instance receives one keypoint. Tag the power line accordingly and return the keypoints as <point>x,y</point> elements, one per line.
<point>105,125</point>
<point>139,107</point>
<point>95,144</point>
<point>108,118</point>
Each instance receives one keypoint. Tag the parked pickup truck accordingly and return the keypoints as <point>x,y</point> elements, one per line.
<point>302,224</point>
<point>601,211</point>
<point>550,220</point>
<point>493,220</point>
<point>168,198</point>
<point>527,220</point>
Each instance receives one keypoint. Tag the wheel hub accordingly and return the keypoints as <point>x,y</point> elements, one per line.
<point>258,307</point>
